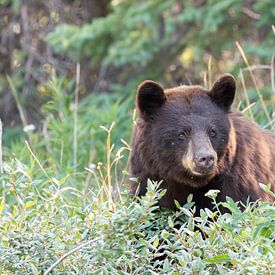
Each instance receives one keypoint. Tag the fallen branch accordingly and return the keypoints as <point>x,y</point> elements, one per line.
<point>69,253</point>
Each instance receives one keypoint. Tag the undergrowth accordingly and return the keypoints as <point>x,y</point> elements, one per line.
<point>64,207</point>
<point>130,237</point>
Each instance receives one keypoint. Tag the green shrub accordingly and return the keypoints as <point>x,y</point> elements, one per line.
<point>126,237</point>
<point>73,215</point>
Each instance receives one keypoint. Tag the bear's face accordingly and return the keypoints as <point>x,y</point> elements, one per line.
<point>186,129</point>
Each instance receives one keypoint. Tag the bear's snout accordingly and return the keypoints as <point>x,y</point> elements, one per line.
<point>205,162</point>
<point>200,159</point>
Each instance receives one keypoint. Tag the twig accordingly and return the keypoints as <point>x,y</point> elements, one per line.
<point>75,115</point>
<point>109,149</point>
<point>271,124</point>
<point>272,76</point>
<point>205,79</point>
<point>251,14</point>
<point>254,81</point>
<point>246,96</point>
<point>209,72</point>
<point>1,152</point>
<point>46,135</point>
<point>69,253</point>
<point>26,41</point>
<point>101,75</point>
<point>249,107</point>
<point>256,67</point>
<point>1,160</point>
<point>18,104</point>
<point>38,162</point>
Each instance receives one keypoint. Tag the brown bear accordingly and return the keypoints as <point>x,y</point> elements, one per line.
<point>190,139</point>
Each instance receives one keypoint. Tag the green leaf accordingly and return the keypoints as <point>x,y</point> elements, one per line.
<point>170,222</point>
<point>218,259</point>
<point>2,205</point>
<point>166,265</point>
<point>29,204</point>
<point>177,204</point>
<point>156,242</point>
<point>231,205</point>
<point>165,234</point>
<point>265,187</point>
<point>190,198</point>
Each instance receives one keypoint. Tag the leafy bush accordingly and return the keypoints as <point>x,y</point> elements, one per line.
<point>64,208</point>
<point>53,219</point>
<point>128,237</point>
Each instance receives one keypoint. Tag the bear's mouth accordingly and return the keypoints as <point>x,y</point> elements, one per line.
<point>199,172</point>
<point>193,174</point>
<point>191,178</point>
<point>200,177</point>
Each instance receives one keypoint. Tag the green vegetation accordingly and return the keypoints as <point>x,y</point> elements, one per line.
<point>128,237</point>
<point>52,205</point>
<point>64,204</point>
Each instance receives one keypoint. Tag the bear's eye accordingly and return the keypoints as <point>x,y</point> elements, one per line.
<point>183,135</point>
<point>212,133</point>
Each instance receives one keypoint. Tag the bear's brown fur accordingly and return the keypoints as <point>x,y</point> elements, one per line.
<point>192,140</point>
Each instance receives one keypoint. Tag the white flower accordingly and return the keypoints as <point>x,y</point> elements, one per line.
<point>29,128</point>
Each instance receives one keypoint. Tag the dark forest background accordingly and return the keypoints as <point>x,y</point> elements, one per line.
<point>119,43</point>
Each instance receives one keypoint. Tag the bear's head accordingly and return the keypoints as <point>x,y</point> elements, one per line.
<point>185,130</point>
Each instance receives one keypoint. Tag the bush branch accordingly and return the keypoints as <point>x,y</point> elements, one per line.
<point>69,253</point>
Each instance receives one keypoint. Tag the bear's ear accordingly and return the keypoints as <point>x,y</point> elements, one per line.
<point>150,96</point>
<point>223,91</point>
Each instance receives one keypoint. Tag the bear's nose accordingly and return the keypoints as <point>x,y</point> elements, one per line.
<point>205,161</point>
